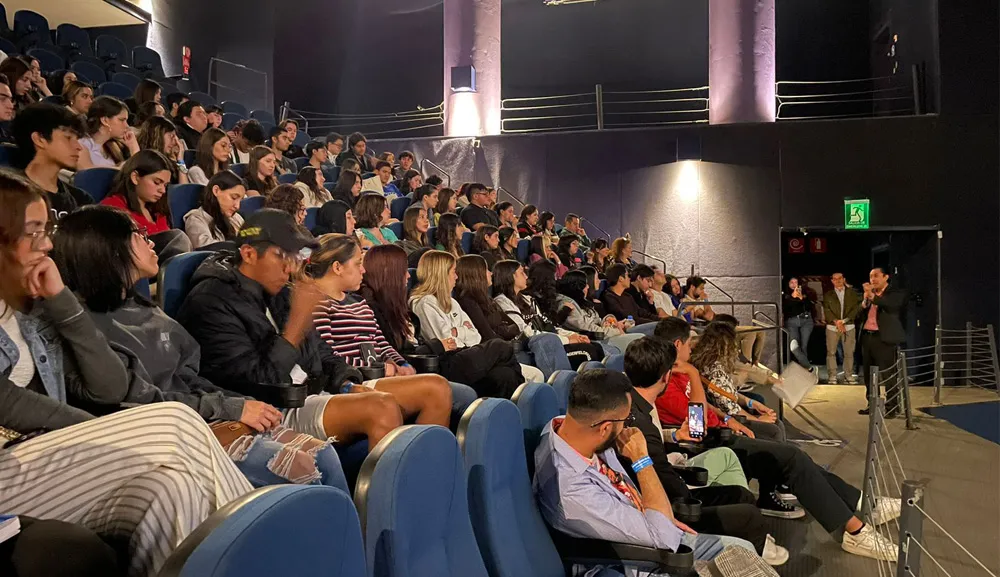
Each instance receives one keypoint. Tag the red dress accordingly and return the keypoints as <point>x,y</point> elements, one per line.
<point>155,227</point>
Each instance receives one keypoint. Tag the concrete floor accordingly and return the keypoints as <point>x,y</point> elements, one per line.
<point>963,483</point>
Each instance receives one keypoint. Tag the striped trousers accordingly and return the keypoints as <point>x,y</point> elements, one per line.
<point>149,475</point>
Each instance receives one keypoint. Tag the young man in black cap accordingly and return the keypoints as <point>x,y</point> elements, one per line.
<point>254,329</point>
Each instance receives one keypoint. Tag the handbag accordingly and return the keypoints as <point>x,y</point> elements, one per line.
<point>228,431</point>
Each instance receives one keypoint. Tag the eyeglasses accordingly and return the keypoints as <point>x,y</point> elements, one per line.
<point>628,421</point>
<point>39,236</point>
<point>142,232</point>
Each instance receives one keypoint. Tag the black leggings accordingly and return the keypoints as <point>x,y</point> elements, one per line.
<point>490,368</point>
<point>47,548</point>
<point>730,510</point>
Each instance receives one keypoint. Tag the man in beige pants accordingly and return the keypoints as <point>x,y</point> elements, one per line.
<point>840,307</point>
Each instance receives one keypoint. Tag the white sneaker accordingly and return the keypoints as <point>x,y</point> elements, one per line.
<point>886,509</point>
<point>774,554</point>
<point>869,543</point>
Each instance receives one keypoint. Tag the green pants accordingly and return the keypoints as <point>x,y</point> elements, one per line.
<point>723,467</point>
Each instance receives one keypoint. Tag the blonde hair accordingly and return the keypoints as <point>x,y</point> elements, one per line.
<point>432,278</point>
<point>618,247</point>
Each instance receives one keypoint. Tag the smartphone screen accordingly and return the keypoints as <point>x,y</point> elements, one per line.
<point>696,420</point>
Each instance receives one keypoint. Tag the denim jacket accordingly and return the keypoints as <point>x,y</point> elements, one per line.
<point>46,349</point>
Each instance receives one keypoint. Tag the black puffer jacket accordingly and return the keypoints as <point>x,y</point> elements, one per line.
<point>226,313</point>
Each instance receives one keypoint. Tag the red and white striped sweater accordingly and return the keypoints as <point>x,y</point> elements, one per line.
<point>345,325</point>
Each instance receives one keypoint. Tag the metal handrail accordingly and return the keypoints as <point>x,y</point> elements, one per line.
<point>583,218</point>
<point>520,202</point>
<point>656,258</point>
<point>444,172</point>
<point>723,291</point>
<point>211,66</point>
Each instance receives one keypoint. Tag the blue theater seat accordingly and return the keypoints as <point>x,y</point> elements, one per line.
<point>589,365</point>
<point>240,169</point>
<point>89,72</point>
<point>561,382</point>
<point>7,154</point>
<point>119,91</point>
<point>615,363</point>
<point>283,530</point>
<point>30,29</point>
<point>190,157</point>
<point>73,40</point>
<point>48,61</point>
<point>263,116</point>
<point>174,280</point>
<point>112,49</point>
<point>250,205</point>
<point>202,98</point>
<point>95,181</point>
<point>126,79</point>
<point>301,162</point>
<point>537,405</point>
<point>182,199</point>
<point>523,250</point>
<point>467,242</point>
<point>310,221</point>
<point>289,178</point>
<point>398,207</point>
<point>229,120</point>
<point>413,505</point>
<point>146,62</point>
<point>233,107</point>
<point>397,229</point>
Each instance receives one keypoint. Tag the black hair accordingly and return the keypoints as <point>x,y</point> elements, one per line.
<point>187,109</point>
<point>406,154</point>
<point>505,233</point>
<point>93,251</point>
<point>542,288</point>
<point>673,329</point>
<point>144,162</point>
<point>641,271</point>
<point>313,146</point>
<point>473,188</point>
<point>253,133</point>
<point>355,138</point>
<point>572,285</point>
<point>694,281</point>
<point>103,107</point>
<point>538,247</point>
<point>284,123</point>
<point>502,206</point>
<point>545,218</point>
<point>434,180</point>
<point>332,138</point>
<point>174,98</point>
<point>275,132</point>
<point>331,218</point>
<point>382,164</point>
<point>572,216</point>
<point>447,234</point>
<point>479,244</point>
<point>593,280</point>
<point>225,180</point>
<point>503,279</point>
<point>648,360</point>
<point>422,191</point>
<point>43,118</point>
<point>146,91</point>
<point>615,272</point>
<point>405,184</point>
<point>727,319</point>
<point>562,250</point>
<point>146,111</point>
<point>213,108</point>
<point>597,392</point>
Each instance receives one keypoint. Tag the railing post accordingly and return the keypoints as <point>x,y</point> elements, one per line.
<point>283,111</point>
<point>911,526</point>
<point>938,366</point>
<point>968,353</point>
<point>915,73</point>
<point>871,453</point>
<point>993,354</point>
<point>905,390</point>
<point>599,93</point>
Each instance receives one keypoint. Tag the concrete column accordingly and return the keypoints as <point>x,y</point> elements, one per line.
<point>472,36</point>
<point>741,61</point>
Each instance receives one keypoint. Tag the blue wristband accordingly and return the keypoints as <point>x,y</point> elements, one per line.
<point>641,464</point>
<point>725,420</point>
<point>673,436</point>
<point>749,403</point>
<point>346,387</point>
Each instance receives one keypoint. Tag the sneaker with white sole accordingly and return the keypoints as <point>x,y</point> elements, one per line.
<point>771,506</point>
<point>886,509</point>
<point>869,543</point>
<point>784,492</point>
<point>774,554</point>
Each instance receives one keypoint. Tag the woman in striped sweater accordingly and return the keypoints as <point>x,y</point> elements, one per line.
<point>346,323</point>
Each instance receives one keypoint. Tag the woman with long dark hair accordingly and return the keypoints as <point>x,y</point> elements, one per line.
<point>415,227</point>
<point>567,252</point>
<point>584,316</point>
<point>598,255</point>
<point>159,134</point>
<point>411,181</point>
<point>334,217</point>
<point>348,188</point>
<point>447,202</point>
<point>527,224</point>
<point>217,218</point>
<point>311,180</point>
<point>260,171</point>
<point>542,294</point>
<point>449,235</point>
<point>107,132</point>
<point>18,73</point>
<point>486,243</point>
<point>148,90</point>
<point>140,189</point>
<point>508,243</point>
<point>547,228</point>
<point>212,156</point>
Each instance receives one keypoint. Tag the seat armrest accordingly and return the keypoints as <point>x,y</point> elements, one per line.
<point>574,550</point>
<point>696,476</point>
<point>282,395</point>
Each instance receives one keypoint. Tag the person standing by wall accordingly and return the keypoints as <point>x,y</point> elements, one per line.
<point>797,307</point>
<point>840,307</point>
<point>882,333</point>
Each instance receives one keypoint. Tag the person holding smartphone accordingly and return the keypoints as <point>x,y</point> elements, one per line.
<point>797,307</point>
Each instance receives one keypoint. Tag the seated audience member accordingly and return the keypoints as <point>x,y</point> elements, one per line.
<point>214,114</point>
<point>694,291</point>
<point>78,97</point>
<point>572,226</point>
<point>826,496</point>
<point>357,145</point>
<point>348,325</point>
<point>508,243</point>
<point>19,76</point>
<point>148,90</point>
<point>542,294</point>
<point>317,154</point>
<point>619,303</point>
<point>574,294</point>
<point>449,235</point>
<point>496,372</point>
<point>291,128</point>
<point>568,250</point>
<point>171,478</point>
<point>505,211</point>
<point>415,226</point>
<point>641,291</point>
<point>101,255</point>
<point>280,143</point>
<point>260,172</point>
<point>447,202</point>
<point>594,497</point>
<point>334,146</point>
<point>510,287</point>
<point>406,160</point>
<point>149,110</point>
<point>173,102</point>
<point>334,217</point>
<point>383,170</point>
<point>140,189</point>
<point>661,300</point>
<point>310,182</point>
<point>107,131</point>
<point>57,80</point>
<point>547,228</point>
<point>253,329</point>
<point>747,339</point>
<point>348,187</point>
<point>191,121</point>
<point>350,165</point>
<point>593,288</point>
<point>245,136</point>
<point>47,141</point>
<point>217,218</point>
<point>212,156</point>
<point>427,197</point>
<point>479,213</point>
<point>411,181</point>
<point>539,251</point>
<point>372,214</point>
<point>675,291</point>
<point>598,256</point>
<point>388,157</point>
<point>6,110</point>
<point>39,84</point>
<point>486,243</point>
<point>435,181</point>
<point>621,253</point>
<point>726,510</point>
<point>159,134</point>
<point>288,199</point>
<point>527,225</point>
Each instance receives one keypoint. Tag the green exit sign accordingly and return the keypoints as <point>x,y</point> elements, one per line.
<point>857,214</point>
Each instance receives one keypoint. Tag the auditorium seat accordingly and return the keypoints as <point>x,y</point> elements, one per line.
<point>302,138</point>
<point>203,98</point>
<point>190,157</point>
<point>174,280</point>
<point>432,235</point>
<point>111,50</point>
<point>310,221</point>
<point>95,181</point>
<point>615,363</point>
<point>510,531</point>
<point>397,229</point>
<point>240,169</point>
<point>412,281</point>
<point>250,205</point>
<point>591,365</point>
<point>398,207</point>
<point>229,120</point>
<point>89,73</point>
<point>126,79</point>
<point>30,29</point>
<point>7,152</point>
<point>286,530</point>
<point>603,286</point>
<point>413,505</point>
<point>523,250</point>
<point>73,40</point>
<point>147,62</point>
<point>233,107</point>
<point>560,382</point>
<point>467,242</point>
<point>7,46</point>
<point>48,61</point>
<point>182,199</point>
<point>263,116</point>
<point>119,91</point>
<point>332,174</point>
<point>5,31</point>
<point>289,178</point>
<point>537,405</point>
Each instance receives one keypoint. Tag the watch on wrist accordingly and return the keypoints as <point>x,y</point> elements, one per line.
<point>725,420</point>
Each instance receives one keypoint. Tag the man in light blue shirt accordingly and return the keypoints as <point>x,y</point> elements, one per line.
<point>583,490</point>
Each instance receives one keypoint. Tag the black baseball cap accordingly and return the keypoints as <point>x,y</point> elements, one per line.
<point>269,225</point>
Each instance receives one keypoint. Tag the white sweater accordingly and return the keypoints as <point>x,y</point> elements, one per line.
<point>437,324</point>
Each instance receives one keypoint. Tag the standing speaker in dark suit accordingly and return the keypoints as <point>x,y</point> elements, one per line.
<point>881,334</point>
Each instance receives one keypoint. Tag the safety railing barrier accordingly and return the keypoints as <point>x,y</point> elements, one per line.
<point>965,357</point>
<point>419,122</point>
<point>424,162</point>
<point>233,81</point>
<point>602,109</point>
<point>896,95</point>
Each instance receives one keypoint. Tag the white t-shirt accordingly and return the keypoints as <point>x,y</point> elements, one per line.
<point>662,301</point>
<point>24,369</point>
